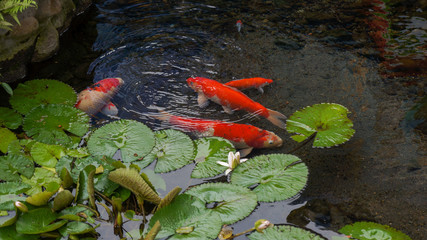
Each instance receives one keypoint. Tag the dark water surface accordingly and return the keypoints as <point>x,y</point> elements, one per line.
<point>369,56</point>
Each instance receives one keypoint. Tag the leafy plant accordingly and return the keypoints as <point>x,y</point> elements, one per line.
<point>285,232</point>
<point>12,8</point>
<point>371,230</point>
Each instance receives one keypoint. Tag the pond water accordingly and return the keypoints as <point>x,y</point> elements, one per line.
<point>369,56</point>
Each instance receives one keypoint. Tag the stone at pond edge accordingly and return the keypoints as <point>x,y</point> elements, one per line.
<point>47,44</point>
<point>28,27</point>
<point>48,8</point>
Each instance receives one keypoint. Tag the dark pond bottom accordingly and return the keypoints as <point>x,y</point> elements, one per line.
<point>315,52</point>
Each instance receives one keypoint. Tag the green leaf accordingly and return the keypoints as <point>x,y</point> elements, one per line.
<point>42,178</point>
<point>62,200</point>
<point>7,201</point>
<point>84,189</point>
<point>169,197</point>
<point>173,150</point>
<point>33,93</point>
<point>9,118</point>
<point>209,151</point>
<point>329,120</point>
<point>56,124</point>
<point>130,179</point>
<point>75,228</point>
<point>47,155</point>
<point>6,86</point>
<point>40,198</point>
<point>273,177</point>
<point>6,137</point>
<point>371,230</point>
<point>231,202</point>
<point>284,232</point>
<point>12,164</point>
<point>13,188</point>
<point>132,138</point>
<point>156,179</point>
<point>21,147</point>
<point>38,221</point>
<point>9,233</point>
<point>186,211</point>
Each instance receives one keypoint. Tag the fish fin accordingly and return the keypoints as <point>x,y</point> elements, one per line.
<point>274,117</point>
<point>228,110</point>
<point>202,100</point>
<point>260,90</point>
<point>110,109</point>
<point>245,151</point>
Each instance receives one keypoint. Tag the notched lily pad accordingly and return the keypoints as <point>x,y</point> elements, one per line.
<point>231,202</point>
<point>9,118</point>
<point>371,230</point>
<point>134,140</point>
<point>209,151</point>
<point>328,120</point>
<point>273,177</point>
<point>284,232</point>
<point>47,155</point>
<point>33,93</point>
<point>173,150</point>
<point>12,164</point>
<point>56,124</point>
<point>38,221</point>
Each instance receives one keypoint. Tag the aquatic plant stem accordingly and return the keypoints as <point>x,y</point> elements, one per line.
<point>303,143</point>
<point>240,234</point>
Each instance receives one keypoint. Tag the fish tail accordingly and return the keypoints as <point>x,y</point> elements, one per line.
<point>275,118</point>
<point>163,116</point>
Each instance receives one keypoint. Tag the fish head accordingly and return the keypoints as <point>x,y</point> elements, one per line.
<point>269,140</point>
<point>107,85</point>
<point>195,83</point>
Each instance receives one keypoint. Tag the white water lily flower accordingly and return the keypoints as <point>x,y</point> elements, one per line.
<point>233,161</point>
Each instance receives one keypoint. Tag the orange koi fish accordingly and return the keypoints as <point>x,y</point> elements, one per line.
<point>246,83</point>
<point>94,98</point>
<point>231,99</point>
<point>243,136</point>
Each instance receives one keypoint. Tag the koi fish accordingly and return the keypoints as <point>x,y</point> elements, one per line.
<point>246,83</point>
<point>94,98</point>
<point>110,109</point>
<point>231,99</point>
<point>243,136</point>
<point>239,25</point>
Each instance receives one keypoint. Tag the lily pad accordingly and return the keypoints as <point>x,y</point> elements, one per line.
<point>53,123</point>
<point>328,120</point>
<point>371,230</point>
<point>42,179</point>
<point>273,177</point>
<point>21,147</point>
<point>132,138</point>
<point>9,233</point>
<point>9,118</point>
<point>13,188</point>
<point>75,228</point>
<point>209,151</point>
<point>11,165</point>
<point>186,218</point>
<point>173,150</point>
<point>231,202</point>
<point>6,137</point>
<point>33,93</point>
<point>47,155</point>
<point>38,221</point>
<point>284,232</point>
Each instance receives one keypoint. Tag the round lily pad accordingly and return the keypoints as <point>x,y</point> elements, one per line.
<point>328,120</point>
<point>134,140</point>
<point>284,232</point>
<point>9,118</point>
<point>231,202</point>
<point>47,155</point>
<point>186,218</point>
<point>209,151</point>
<point>33,93</point>
<point>56,124</point>
<point>6,137</point>
<point>371,230</point>
<point>173,150</point>
<point>273,177</point>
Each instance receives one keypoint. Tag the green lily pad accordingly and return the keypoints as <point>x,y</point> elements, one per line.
<point>273,177</point>
<point>33,93</point>
<point>75,228</point>
<point>6,137</point>
<point>231,202</point>
<point>209,151</point>
<point>47,155</point>
<point>328,120</point>
<point>371,230</point>
<point>284,232</point>
<point>38,221</point>
<point>9,118</point>
<point>9,233</point>
<point>53,123</point>
<point>13,187</point>
<point>132,138</point>
<point>12,164</point>
<point>7,202</point>
<point>21,147</point>
<point>186,218</point>
<point>173,150</point>
<point>42,179</point>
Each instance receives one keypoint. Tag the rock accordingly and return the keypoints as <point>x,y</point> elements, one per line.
<point>62,20</point>
<point>28,27</point>
<point>48,8</point>
<point>47,43</point>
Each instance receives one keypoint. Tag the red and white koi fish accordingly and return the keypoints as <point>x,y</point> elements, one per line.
<point>94,98</point>
<point>239,25</point>
<point>110,109</point>
<point>246,83</point>
<point>231,99</point>
<point>243,136</point>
